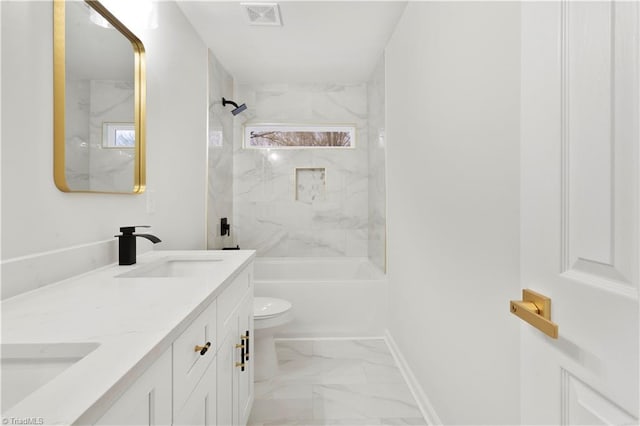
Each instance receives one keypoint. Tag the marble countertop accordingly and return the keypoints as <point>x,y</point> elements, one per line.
<point>134,320</point>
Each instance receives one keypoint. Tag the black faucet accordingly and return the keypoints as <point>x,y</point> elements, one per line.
<point>127,244</point>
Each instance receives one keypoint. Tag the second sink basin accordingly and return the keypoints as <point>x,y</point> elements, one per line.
<point>174,268</point>
<point>29,366</point>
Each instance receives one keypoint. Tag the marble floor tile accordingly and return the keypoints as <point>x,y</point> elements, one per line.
<point>413,421</point>
<point>289,350</point>
<point>276,389</point>
<point>322,371</point>
<point>389,400</point>
<point>373,350</point>
<point>322,422</point>
<point>334,382</point>
<point>279,411</point>
<point>377,373</point>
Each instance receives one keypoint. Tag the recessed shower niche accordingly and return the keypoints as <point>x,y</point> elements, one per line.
<point>310,184</point>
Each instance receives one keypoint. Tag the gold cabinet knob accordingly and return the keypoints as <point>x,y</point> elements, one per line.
<point>202,349</point>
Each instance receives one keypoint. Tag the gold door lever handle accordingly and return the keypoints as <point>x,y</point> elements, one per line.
<point>535,309</point>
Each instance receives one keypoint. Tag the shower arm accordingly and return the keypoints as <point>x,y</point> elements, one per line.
<point>225,102</point>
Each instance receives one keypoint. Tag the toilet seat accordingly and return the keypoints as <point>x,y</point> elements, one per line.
<point>270,312</point>
<point>268,307</point>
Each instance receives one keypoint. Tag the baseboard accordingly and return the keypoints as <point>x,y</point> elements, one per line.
<point>428,412</point>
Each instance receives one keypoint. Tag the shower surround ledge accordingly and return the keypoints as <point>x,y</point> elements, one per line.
<point>97,307</point>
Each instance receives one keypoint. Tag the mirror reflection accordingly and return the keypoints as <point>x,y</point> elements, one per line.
<point>99,143</point>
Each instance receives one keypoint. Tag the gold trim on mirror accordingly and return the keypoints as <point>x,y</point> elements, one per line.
<point>59,87</point>
<point>59,70</point>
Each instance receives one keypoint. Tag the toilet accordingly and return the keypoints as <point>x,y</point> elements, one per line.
<point>268,314</point>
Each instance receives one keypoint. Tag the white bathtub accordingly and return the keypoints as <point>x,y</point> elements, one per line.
<point>331,297</point>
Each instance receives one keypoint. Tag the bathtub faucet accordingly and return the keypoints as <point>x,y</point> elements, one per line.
<point>127,243</point>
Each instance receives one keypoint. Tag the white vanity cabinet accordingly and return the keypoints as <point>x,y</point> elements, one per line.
<point>200,407</point>
<point>234,361</point>
<point>191,387</point>
<point>147,401</point>
<point>194,372</point>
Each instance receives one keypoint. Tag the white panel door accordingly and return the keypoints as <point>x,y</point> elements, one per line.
<point>580,193</point>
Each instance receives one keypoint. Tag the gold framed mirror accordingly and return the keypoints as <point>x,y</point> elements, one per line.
<point>99,101</point>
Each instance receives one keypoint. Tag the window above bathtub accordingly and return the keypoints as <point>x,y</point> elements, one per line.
<point>287,136</point>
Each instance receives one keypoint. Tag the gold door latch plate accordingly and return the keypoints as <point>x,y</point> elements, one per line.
<point>535,309</point>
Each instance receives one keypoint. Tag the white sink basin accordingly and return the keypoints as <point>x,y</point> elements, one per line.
<point>26,367</point>
<point>174,268</point>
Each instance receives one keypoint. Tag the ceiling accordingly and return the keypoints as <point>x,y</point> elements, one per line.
<point>319,42</point>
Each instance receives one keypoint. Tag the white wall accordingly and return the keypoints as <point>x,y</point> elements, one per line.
<point>453,204</point>
<point>36,217</point>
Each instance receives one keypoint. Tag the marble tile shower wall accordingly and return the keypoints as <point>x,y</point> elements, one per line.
<point>377,174</point>
<point>220,148</point>
<point>110,168</point>
<point>90,104</point>
<point>267,215</point>
<point>77,134</point>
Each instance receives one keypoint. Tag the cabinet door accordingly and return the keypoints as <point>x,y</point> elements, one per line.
<point>245,378</point>
<point>200,407</point>
<point>226,377</point>
<point>189,364</point>
<point>147,401</point>
<point>235,383</point>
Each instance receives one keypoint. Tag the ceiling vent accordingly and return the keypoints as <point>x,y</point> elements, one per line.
<point>263,13</point>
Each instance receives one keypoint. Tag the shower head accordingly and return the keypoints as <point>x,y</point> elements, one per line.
<point>237,110</point>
